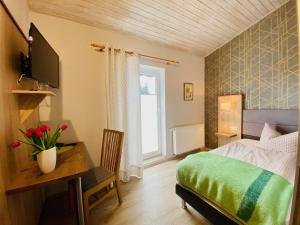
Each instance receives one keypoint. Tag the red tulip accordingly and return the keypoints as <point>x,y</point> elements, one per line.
<point>15,144</point>
<point>29,133</point>
<point>38,132</point>
<point>44,128</point>
<point>64,126</point>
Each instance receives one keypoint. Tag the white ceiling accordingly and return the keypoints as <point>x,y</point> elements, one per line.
<point>197,26</point>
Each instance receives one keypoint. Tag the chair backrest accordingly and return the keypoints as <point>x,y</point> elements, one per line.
<point>112,143</point>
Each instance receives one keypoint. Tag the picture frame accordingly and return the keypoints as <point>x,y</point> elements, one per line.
<point>188,91</point>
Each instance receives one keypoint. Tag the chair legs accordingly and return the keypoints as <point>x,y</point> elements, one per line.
<point>86,200</point>
<point>118,191</point>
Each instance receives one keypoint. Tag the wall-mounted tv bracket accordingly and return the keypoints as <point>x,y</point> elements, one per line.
<point>25,62</point>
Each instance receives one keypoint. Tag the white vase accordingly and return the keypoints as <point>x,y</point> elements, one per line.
<point>47,160</point>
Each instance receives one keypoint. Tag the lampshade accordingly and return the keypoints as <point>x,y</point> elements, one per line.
<point>225,106</point>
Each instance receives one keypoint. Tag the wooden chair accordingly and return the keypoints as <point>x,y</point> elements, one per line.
<point>106,176</point>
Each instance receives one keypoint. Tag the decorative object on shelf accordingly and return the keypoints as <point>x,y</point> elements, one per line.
<point>43,143</point>
<point>188,91</point>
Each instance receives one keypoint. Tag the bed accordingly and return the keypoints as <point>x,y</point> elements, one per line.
<point>248,150</point>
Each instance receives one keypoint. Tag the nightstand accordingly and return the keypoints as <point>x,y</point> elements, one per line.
<point>225,137</point>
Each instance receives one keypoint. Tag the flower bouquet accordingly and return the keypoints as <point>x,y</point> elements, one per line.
<point>43,142</point>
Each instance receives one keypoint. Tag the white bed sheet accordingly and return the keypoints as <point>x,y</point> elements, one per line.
<point>250,151</point>
<point>281,163</point>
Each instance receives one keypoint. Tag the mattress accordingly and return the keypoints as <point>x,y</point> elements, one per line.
<point>280,163</point>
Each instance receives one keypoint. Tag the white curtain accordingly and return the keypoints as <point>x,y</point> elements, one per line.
<point>124,108</point>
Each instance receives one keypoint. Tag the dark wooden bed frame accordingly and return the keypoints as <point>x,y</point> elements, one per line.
<point>283,120</point>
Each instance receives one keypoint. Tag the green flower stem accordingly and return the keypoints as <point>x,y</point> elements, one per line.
<point>42,141</point>
<point>54,137</point>
<point>32,144</point>
<point>31,141</point>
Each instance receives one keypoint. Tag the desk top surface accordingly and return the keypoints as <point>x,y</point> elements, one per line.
<point>69,165</point>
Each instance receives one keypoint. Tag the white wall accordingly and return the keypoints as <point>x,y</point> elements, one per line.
<point>20,11</point>
<point>81,97</point>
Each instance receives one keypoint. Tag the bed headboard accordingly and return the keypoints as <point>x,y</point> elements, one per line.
<point>283,120</point>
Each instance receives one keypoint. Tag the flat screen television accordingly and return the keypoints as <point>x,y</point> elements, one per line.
<point>43,60</point>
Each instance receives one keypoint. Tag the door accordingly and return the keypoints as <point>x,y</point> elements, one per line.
<point>150,113</point>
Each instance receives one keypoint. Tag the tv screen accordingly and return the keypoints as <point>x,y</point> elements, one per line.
<point>44,61</point>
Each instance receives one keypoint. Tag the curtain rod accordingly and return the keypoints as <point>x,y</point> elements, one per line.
<point>168,61</point>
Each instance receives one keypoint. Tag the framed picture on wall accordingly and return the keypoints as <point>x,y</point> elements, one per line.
<point>188,90</point>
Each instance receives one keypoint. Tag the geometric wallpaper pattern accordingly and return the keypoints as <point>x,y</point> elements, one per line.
<point>261,64</point>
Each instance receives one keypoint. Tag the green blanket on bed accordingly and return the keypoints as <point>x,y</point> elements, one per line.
<point>247,192</point>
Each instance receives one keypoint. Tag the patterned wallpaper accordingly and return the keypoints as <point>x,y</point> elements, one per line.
<point>261,63</point>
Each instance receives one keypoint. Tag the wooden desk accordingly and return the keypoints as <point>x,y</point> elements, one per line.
<point>70,166</point>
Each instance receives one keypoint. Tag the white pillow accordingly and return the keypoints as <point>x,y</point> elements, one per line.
<point>268,133</point>
<point>285,143</point>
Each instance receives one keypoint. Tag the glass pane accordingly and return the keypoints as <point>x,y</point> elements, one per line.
<point>149,115</point>
<point>148,85</point>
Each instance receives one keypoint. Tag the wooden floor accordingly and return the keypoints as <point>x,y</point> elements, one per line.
<point>149,201</point>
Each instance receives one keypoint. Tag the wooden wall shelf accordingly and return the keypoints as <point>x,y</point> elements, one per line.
<point>226,134</point>
<point>29,100</point>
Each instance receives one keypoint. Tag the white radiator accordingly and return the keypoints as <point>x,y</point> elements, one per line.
<point>187,138</point>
